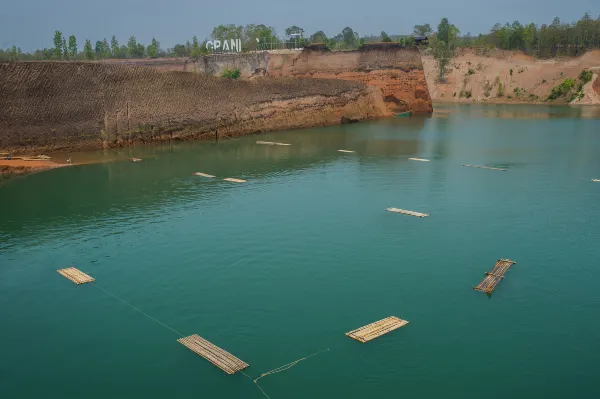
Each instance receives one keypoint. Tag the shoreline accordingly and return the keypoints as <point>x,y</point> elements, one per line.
<point>17,167</point>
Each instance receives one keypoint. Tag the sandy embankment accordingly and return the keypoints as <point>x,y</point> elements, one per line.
<point>20,167</point>
<point>480,74</point>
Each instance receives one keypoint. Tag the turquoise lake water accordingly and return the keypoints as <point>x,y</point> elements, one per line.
<point>282,266</point>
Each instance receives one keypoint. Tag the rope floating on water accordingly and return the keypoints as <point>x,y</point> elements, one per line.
<point>279,369</point>
<point>138,310</point>
<point>255,381</point>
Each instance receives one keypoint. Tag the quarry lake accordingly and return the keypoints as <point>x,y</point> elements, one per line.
<point>282,266</point>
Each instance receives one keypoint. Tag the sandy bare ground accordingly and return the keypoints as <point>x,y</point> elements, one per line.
<point>531,79</point>
<point>19,167</point>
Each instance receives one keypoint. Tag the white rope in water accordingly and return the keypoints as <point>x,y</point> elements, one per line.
<point>138,310</point>
<point>280,369</point>
<point>255,381</point>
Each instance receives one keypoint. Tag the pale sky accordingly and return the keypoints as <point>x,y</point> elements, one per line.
<point>30,24</point>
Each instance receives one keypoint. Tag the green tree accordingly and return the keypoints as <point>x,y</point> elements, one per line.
<point>444,48</point>
<point>99,49</point>
<point>227,32</point>
<point>114,46</point>
<point>422,30</point>
<point>141,51</point>
<point>195,47</point>
<point>14,53</point>
<point>72,46</point>
<point>349,37</point>
<point>88,50</point>
<point>58,40</point>
<point>152,49</point>
<point>385,38</point>
<point>266,36</point>
<point>318,37</point>
<point>180,50</point>
<point>65,48</point>
<point>294,29</point>
<point>106,48</point>
<point>132,47</point>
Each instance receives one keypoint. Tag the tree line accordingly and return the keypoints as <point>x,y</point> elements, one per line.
<point>545,41</point>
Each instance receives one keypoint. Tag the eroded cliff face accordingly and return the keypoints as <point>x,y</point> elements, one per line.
<point>56,105</point>
<point>395,70</point>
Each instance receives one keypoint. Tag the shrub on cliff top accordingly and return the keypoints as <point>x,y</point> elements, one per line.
<point>562,89</point>
<point>231,73</point>
<point>586,76</point>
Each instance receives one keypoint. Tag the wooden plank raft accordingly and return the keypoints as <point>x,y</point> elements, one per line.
<point>347,151</point>
<point>202,174</point>
<point>486,167</point>
<point>270,143</point>
<point>491,280</point>
<point>405,212</point>
<point>419,159</point>
<point>76,276</point>
<point>217,356</point>
<point>376,329</point>
<point>234,180</point>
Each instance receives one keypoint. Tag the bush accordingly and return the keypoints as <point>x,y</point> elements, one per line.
<point>500,90</point>
<point>470,71</point>
<point>487,88</point>
<point>468,93</point>
<point>231,73</point>
<point>586,76</point>
<point>562,89</point>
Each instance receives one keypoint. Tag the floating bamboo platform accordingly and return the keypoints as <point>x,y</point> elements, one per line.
<point>377,329</point>
<point>217,356</point>
<point>348,151</point>
<point>76,276</point>
<point>234,180</point>
<point>405,212</point>
<point>491,280</point>
<point>202,174</point>
<point>419,159</point>
<point>270,143</point>
<point>486,167</point>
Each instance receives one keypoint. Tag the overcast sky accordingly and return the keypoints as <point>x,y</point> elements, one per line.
<point>30,23</point>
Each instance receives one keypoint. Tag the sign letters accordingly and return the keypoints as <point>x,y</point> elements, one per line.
<point>232,45</point>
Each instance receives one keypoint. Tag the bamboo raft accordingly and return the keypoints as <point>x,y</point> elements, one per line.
<point>405,212</point>
<point>377,329</point>
<point>76,276</point>
<point>419,159</point>
<point>486,167</point>
<point>202,174</point>
<point>270,143</point>
<point>347,151</point>
<point>217,356</point>
<point>234,180</point>
<point>491,280</point>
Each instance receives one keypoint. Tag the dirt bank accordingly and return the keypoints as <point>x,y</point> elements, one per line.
<point>479,74</point>
<point>19,167</point>
<point>395,70</point>
<point>52,106</point>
